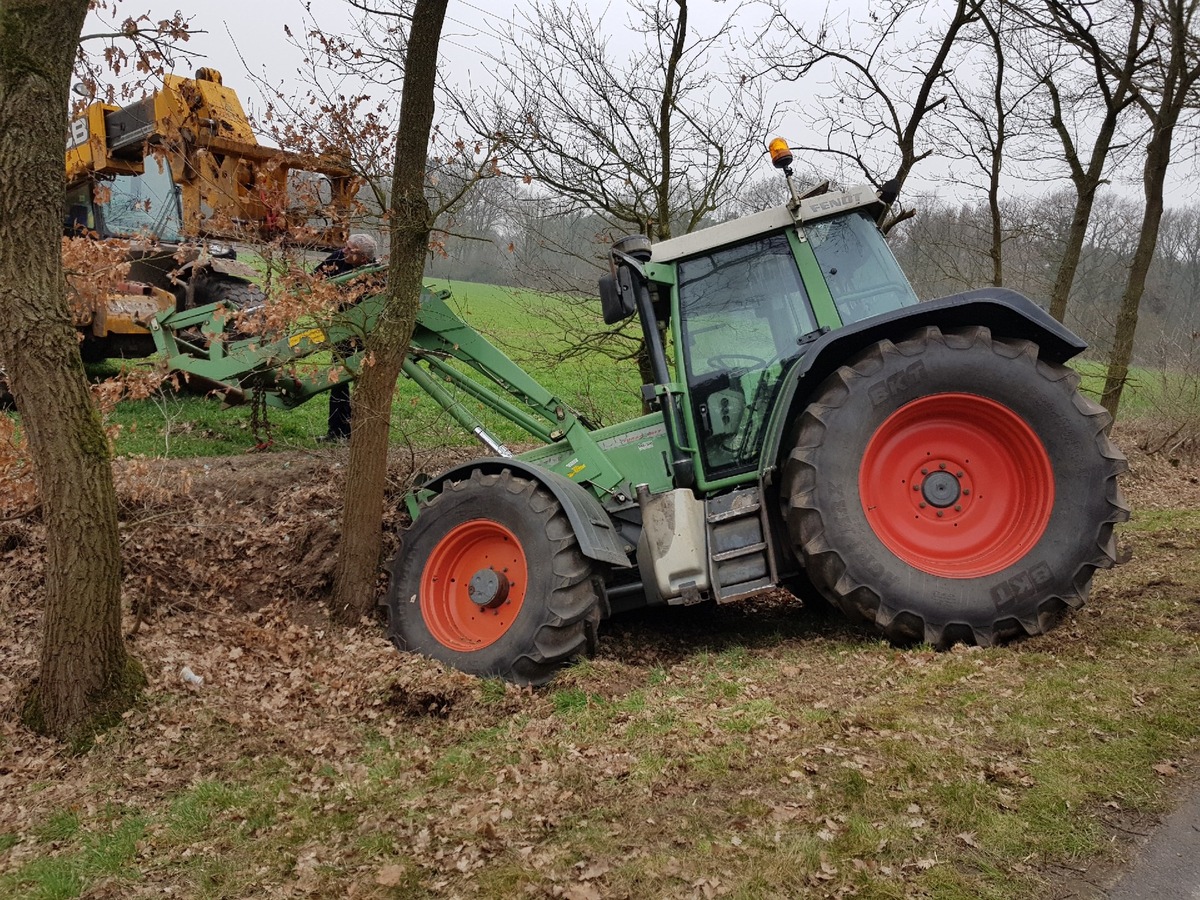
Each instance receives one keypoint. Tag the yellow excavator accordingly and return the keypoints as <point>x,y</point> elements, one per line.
<point>181,177</point>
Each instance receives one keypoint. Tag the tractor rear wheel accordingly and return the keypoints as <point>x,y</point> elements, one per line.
<point>490,580</point>
<point>953,487</point>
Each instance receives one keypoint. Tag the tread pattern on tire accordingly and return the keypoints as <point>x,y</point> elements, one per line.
<point>239,294</point>
<point>858,596</point>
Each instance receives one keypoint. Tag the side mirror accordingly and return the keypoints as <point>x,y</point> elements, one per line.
<point>615,304</point>
<point>618,298</point>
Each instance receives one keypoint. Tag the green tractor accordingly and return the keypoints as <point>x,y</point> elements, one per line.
<point>928,467</point>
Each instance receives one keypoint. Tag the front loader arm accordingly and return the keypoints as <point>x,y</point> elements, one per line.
<point>204,344</point>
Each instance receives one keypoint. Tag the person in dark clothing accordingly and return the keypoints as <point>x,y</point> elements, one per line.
<point>338,427</point>
<point>359,250</point>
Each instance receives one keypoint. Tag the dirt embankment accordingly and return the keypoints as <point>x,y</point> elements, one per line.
<point>249,530</point>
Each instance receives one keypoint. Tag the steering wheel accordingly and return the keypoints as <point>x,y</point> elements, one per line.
<point>726,361</point>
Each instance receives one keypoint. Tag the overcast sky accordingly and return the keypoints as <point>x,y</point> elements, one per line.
<point>235,41</point>
<point>242,37</point>
<point>238,29</point>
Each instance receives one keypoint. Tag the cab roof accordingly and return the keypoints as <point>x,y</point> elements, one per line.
<point>774,219</point>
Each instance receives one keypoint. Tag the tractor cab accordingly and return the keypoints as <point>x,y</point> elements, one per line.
<point>745,300</point>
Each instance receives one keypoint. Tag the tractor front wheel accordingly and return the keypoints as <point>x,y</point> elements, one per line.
<point>490,580</point>
<point>953,487</point>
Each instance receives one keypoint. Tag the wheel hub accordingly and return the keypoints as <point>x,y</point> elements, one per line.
<point>473,585</point>
<point>941,489</point>
<point>956,485</point>
<point>488,588</point>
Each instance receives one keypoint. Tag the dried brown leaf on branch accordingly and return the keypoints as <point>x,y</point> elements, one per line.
<point>95,270</point>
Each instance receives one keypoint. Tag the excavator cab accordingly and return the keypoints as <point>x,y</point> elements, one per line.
<point>138,205</point>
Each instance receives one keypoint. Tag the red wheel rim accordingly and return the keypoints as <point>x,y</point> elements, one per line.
<point>473,585</point>
<point>956,485</point>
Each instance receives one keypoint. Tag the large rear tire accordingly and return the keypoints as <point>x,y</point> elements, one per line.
<point>490,580</point>
<point>953,487</point>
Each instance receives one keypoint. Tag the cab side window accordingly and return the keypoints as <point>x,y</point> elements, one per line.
<point>742,311</point>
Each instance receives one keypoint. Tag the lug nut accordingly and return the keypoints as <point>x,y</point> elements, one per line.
<point>941,465</point>
<point>924,471</point>
<point>939,513</point>
<point>958,507</point>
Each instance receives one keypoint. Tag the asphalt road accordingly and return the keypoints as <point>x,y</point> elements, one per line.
<point>1168,868</point>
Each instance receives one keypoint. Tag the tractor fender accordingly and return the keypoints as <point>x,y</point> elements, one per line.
<point>1007,313</point>
<point>593,527</point>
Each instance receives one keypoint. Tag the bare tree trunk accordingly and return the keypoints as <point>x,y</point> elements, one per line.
<point>996,249</point>
<point>361,542</point>
<point>1069,264</point>
<point>1158,156</point>
<point>86,676</point>
<point>995,155</point>
<point>1178,65</point>
<point>662,228</point>
<point>1117,96</point>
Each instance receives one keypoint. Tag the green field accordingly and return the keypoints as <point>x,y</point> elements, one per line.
<point>1149,393</point>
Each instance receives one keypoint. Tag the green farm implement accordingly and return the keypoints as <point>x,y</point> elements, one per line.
<point>930,468</point>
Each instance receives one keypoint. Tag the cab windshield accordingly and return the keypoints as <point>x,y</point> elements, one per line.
<point>859,268</point>
<point>145,205</point>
